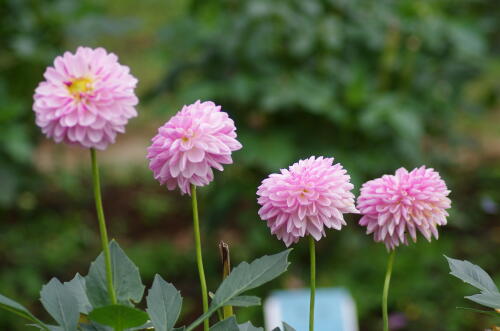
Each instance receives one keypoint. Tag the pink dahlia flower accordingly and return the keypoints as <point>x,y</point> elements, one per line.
<point>86,98</point>
<point>198,138</point>
<point>305,198</point>
<point>395,205</point>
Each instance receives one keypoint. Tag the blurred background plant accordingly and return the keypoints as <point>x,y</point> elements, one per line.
<point>377,84</point>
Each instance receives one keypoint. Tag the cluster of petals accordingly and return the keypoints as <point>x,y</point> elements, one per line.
<point>195,140</point>
<point>395,205</point>
<point>305,198</point>
<point>86,98</point>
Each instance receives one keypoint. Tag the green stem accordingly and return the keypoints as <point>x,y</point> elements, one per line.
<point>102,225</point>
<point>312,250</point>
<point>199,259</point>
<point>386,289</point>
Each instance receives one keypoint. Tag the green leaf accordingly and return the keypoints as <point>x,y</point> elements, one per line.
<point>60,303</point>
<point>164,304</point>
<point>485,312</point>
<point>472,274</point>
<point>244,301</point>
<point>491,300</point>
<point>119,317</point>
<point>47,327</point>
<point>78,288</point>
<point>94,327</point>
<point>126,279</point>
<point>249,327</point>
<point>18,309</point>
<point>246,277</point>
<point>229,324</point>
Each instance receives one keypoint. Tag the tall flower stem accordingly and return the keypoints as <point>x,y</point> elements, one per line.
<point>312,251</point>
<point>199,258</point>
<point>102,225</point>
<point>385,293</point>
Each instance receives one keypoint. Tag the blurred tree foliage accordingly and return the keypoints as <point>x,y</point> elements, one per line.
<point>377,84</point>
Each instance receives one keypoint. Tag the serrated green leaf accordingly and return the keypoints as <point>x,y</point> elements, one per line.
<point>126,279</point>
<point>20,310</point>
<point>119,317</point>
<point>164,304</point>
<point>472,274</point>
<point>489,299</point>
<point>244,301</point>
<point>248,326</point>
<point>246,277</point>
<point>229,324</point>
<point>78,288</point>
<point>49,327</point>
<point>485,312</point>
<point>60,303</point>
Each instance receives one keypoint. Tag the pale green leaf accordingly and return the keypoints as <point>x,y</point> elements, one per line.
<point>126,279</point>
<point>164,304</point>
<point>246,277</point>
<point>18,309</point>
<point>229,324</point>
<point>244,301</point>
<point>60,303</point>
<point>491,300</point>
<point>78,288</point>
<point>472,274</point>
<point>249,327</point>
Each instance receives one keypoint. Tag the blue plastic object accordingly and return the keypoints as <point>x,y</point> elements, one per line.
<point>334,311</point>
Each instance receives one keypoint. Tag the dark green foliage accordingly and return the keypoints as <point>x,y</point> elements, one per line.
<point>70,307</point>
<point>377,84</point>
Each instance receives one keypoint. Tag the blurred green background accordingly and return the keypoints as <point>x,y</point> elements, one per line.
<point>376,84</point>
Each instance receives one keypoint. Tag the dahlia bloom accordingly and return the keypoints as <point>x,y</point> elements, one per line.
<point>305,198</point>
<point>395,205</point>
<point>86,98</point>
<point>198,138</point>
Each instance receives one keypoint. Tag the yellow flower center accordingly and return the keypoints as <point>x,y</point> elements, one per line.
<point>80,85</point>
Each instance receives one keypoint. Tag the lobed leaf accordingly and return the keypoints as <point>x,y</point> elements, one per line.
<point>249,327</point>
<point>472,274</point>
<point>78,289</point>
<point>60,303</point>
<point>244,301</point>
<point>126,279</point>
<point>229,324</point>
<point>246,277</point>
<point>164,304</point>
<point>489,299</point>
<point>20,310</point>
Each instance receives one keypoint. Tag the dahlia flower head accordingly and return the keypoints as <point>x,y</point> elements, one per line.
<point>395,205</point>
<point>86,98</point>
<point>309,196</point>
<point>198,138</point>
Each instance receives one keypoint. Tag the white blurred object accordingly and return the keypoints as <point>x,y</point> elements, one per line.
<point>335,310</point>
